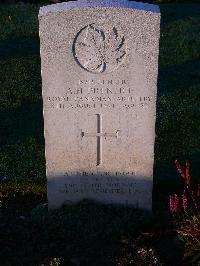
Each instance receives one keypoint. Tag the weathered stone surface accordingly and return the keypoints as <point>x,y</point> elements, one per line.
<point>99,73</point>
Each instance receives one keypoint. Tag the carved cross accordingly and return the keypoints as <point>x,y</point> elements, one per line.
<point>99,135</point>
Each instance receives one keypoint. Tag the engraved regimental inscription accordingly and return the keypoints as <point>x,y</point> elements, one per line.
<point>99,49</point>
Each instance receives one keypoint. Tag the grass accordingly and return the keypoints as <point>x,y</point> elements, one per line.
<point>22,161</point>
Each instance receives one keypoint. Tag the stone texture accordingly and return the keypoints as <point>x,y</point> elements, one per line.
<point>99,64</point>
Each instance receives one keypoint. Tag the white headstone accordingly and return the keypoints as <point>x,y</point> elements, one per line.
<point>99,73</point>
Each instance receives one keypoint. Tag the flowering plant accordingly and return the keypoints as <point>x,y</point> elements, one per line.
<point>188,205</point>
<point>188,202</point>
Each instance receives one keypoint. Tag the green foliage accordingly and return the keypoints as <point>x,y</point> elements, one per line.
<point>21,122</point>
<point>55,262</point>
<point>189,234</point>
<point>22,160</point>
<point>18,21</point>
<point>146,256</point>
<point>178,123</point>
<point>24,187</point>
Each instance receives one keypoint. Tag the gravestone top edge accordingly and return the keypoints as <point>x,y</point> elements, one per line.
<point>60,7</point>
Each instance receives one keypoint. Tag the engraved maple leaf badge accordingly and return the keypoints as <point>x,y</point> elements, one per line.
<point>97,50</point>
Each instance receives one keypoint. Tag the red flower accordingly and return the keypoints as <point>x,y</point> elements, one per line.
<point>185,201</point>
<point>174,202</point>
<point>198,190</point>
<point>185,175</point>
